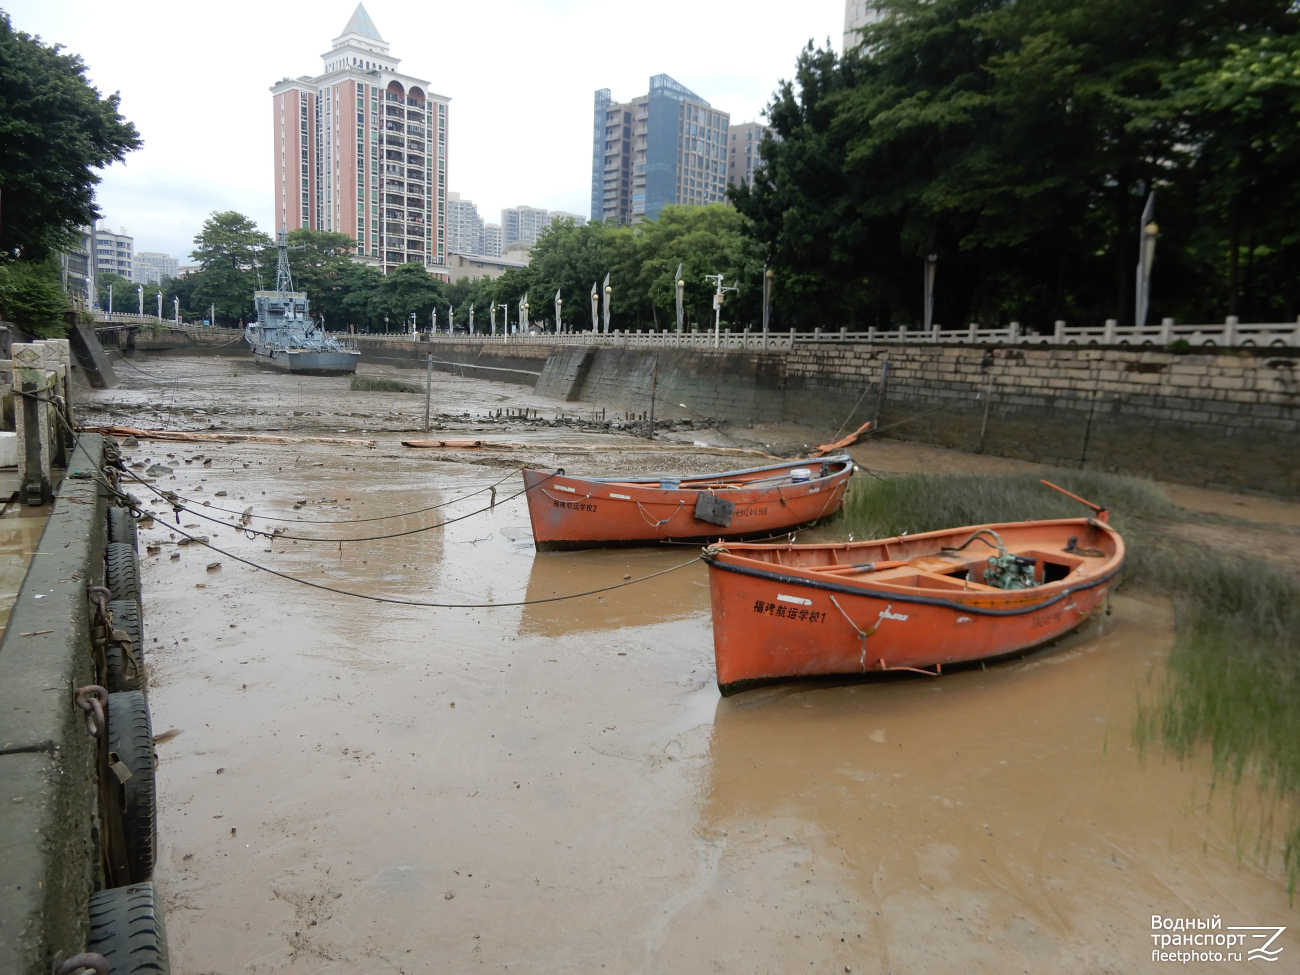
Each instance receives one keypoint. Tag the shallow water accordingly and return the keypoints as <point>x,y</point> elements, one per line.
<point>559,787</point>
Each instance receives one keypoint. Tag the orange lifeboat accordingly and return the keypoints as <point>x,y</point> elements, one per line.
<point>917,602</point>
<point>581,512</point>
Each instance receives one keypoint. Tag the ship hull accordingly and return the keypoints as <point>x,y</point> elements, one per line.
<point>308,362</point>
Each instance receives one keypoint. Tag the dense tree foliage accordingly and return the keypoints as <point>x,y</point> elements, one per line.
<point>55,131</point>
<point>32,298</point>
<point>642,262</point>
<point>236,258</point>
<point>1017,141</point>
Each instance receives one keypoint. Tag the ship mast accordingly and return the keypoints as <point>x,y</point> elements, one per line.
<point>283,280</point>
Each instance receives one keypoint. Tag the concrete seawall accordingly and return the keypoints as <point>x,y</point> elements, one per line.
<point>49,852</point>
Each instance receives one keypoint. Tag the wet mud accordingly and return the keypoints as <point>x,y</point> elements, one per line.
<point>368,787</point>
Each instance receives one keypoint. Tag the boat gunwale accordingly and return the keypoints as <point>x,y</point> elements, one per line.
<point>758,569</point>
<point>654,482</point>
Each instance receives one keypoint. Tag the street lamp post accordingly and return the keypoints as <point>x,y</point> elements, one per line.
<point>110,302</point>
<point>768,275</point>
<point>176,309</point>
<point>595,309</point>
<point>492,314</point>
<point>559,318</point>
<point>1146,257</point>
<point>160,306</point>
<point>609,296</point>
<point>471,318</point>
<point>212,314</point>
<point>679,293</point>
<point>139,293</point>
<point>717,307</point>
<point>930,264</point>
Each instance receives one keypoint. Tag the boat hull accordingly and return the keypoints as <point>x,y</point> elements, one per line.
<point>308,362</point>
<point>775,623</point>
<point>572,512</point>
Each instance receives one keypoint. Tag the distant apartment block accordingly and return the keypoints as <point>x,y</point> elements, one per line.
<point>152,267</point>
<point>742,152</point>
<point>493,244</point>
<point>114,253</point>
<point>667,146</point>
<point>521,224</point>
<point>361,149</point>
<point>464,226</point>
<point>858,14</point>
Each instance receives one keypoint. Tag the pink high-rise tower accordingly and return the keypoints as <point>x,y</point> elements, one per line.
<point>361,150</point>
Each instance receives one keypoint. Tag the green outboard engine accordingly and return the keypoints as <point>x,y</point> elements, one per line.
<point>1007,571</point>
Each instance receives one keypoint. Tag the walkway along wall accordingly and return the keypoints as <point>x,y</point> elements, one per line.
<point>1230,420</point>
<point>49,858</point>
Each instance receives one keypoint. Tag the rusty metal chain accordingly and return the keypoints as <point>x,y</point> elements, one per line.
<point>92,699</point>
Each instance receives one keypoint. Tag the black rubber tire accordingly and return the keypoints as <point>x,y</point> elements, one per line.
<point>127,928</point>
<point>130,738</point>
<point>126,617</point>
<point>121,526</point>
<point>122,571</point>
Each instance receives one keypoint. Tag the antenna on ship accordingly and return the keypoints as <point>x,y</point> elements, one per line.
<point>283,280</point>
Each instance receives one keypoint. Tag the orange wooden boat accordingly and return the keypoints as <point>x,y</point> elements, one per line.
<point>916,602</point>
<point>581,512</point>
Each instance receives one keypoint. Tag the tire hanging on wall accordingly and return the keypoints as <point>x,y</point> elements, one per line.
<point>127,928</point>
<point>131,759</point>
<point>122,526</point>
<point>122,675</point>
<point>122,571</point>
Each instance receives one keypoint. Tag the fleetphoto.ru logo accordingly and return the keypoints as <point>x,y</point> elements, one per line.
<point>1188,939</point>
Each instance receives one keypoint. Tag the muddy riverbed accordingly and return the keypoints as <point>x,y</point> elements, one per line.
<point>368,787</point>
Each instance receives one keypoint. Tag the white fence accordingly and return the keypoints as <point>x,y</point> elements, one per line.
<point>1229,333</point>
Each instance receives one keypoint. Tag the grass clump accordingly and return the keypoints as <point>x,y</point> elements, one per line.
<point>383,384</point>
<point>1232,683</point>
<point>912,503</point>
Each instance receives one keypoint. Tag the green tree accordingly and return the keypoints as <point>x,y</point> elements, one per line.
<point>1014,140</point>
<point>32,298</point>
<point>55,131</point>
<point>124,296</point>
<point>231,252</point>
<point>319,261</point>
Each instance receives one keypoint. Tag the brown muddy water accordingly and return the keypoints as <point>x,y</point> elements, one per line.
<point>360,787</point>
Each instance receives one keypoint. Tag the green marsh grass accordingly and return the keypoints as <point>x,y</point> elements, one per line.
<point>383,384</point>
<point>1232,683</point>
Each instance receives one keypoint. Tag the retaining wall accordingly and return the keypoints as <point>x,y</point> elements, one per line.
<point>49,858</point>
<point>505,363</point>
<point>1230,420</point>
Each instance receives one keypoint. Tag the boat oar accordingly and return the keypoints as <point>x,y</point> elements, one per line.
<point>863,567</point>
<point>1098,509</point>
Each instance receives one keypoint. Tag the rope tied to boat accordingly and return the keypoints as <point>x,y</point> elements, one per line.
<point>652,521</point>
<point>559,500</point>
<point>862,634</point>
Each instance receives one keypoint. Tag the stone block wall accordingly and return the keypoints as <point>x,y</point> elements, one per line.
<point>1230,420</point>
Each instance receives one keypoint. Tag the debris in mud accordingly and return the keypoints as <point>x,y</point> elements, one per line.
<point>158,470</point>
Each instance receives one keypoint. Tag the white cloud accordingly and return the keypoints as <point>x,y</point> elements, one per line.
<point>195,80</point>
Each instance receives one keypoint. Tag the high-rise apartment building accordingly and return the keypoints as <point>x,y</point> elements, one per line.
<point>464,226</point>
<point>493,244</point>
<point>858,14</point>
<point>742,152</point>
<point>114,252</point>
<point>522,224</point>
<point>667,146</point>
<point>361,149</point>
<point>152,267</point>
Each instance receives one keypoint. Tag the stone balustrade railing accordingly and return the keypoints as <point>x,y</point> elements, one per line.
<point>1229,333</point>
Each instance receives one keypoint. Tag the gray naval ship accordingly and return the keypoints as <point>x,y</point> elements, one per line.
<point>284,336</point>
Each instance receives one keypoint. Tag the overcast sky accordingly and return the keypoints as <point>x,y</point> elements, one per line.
<point>194,78</point>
